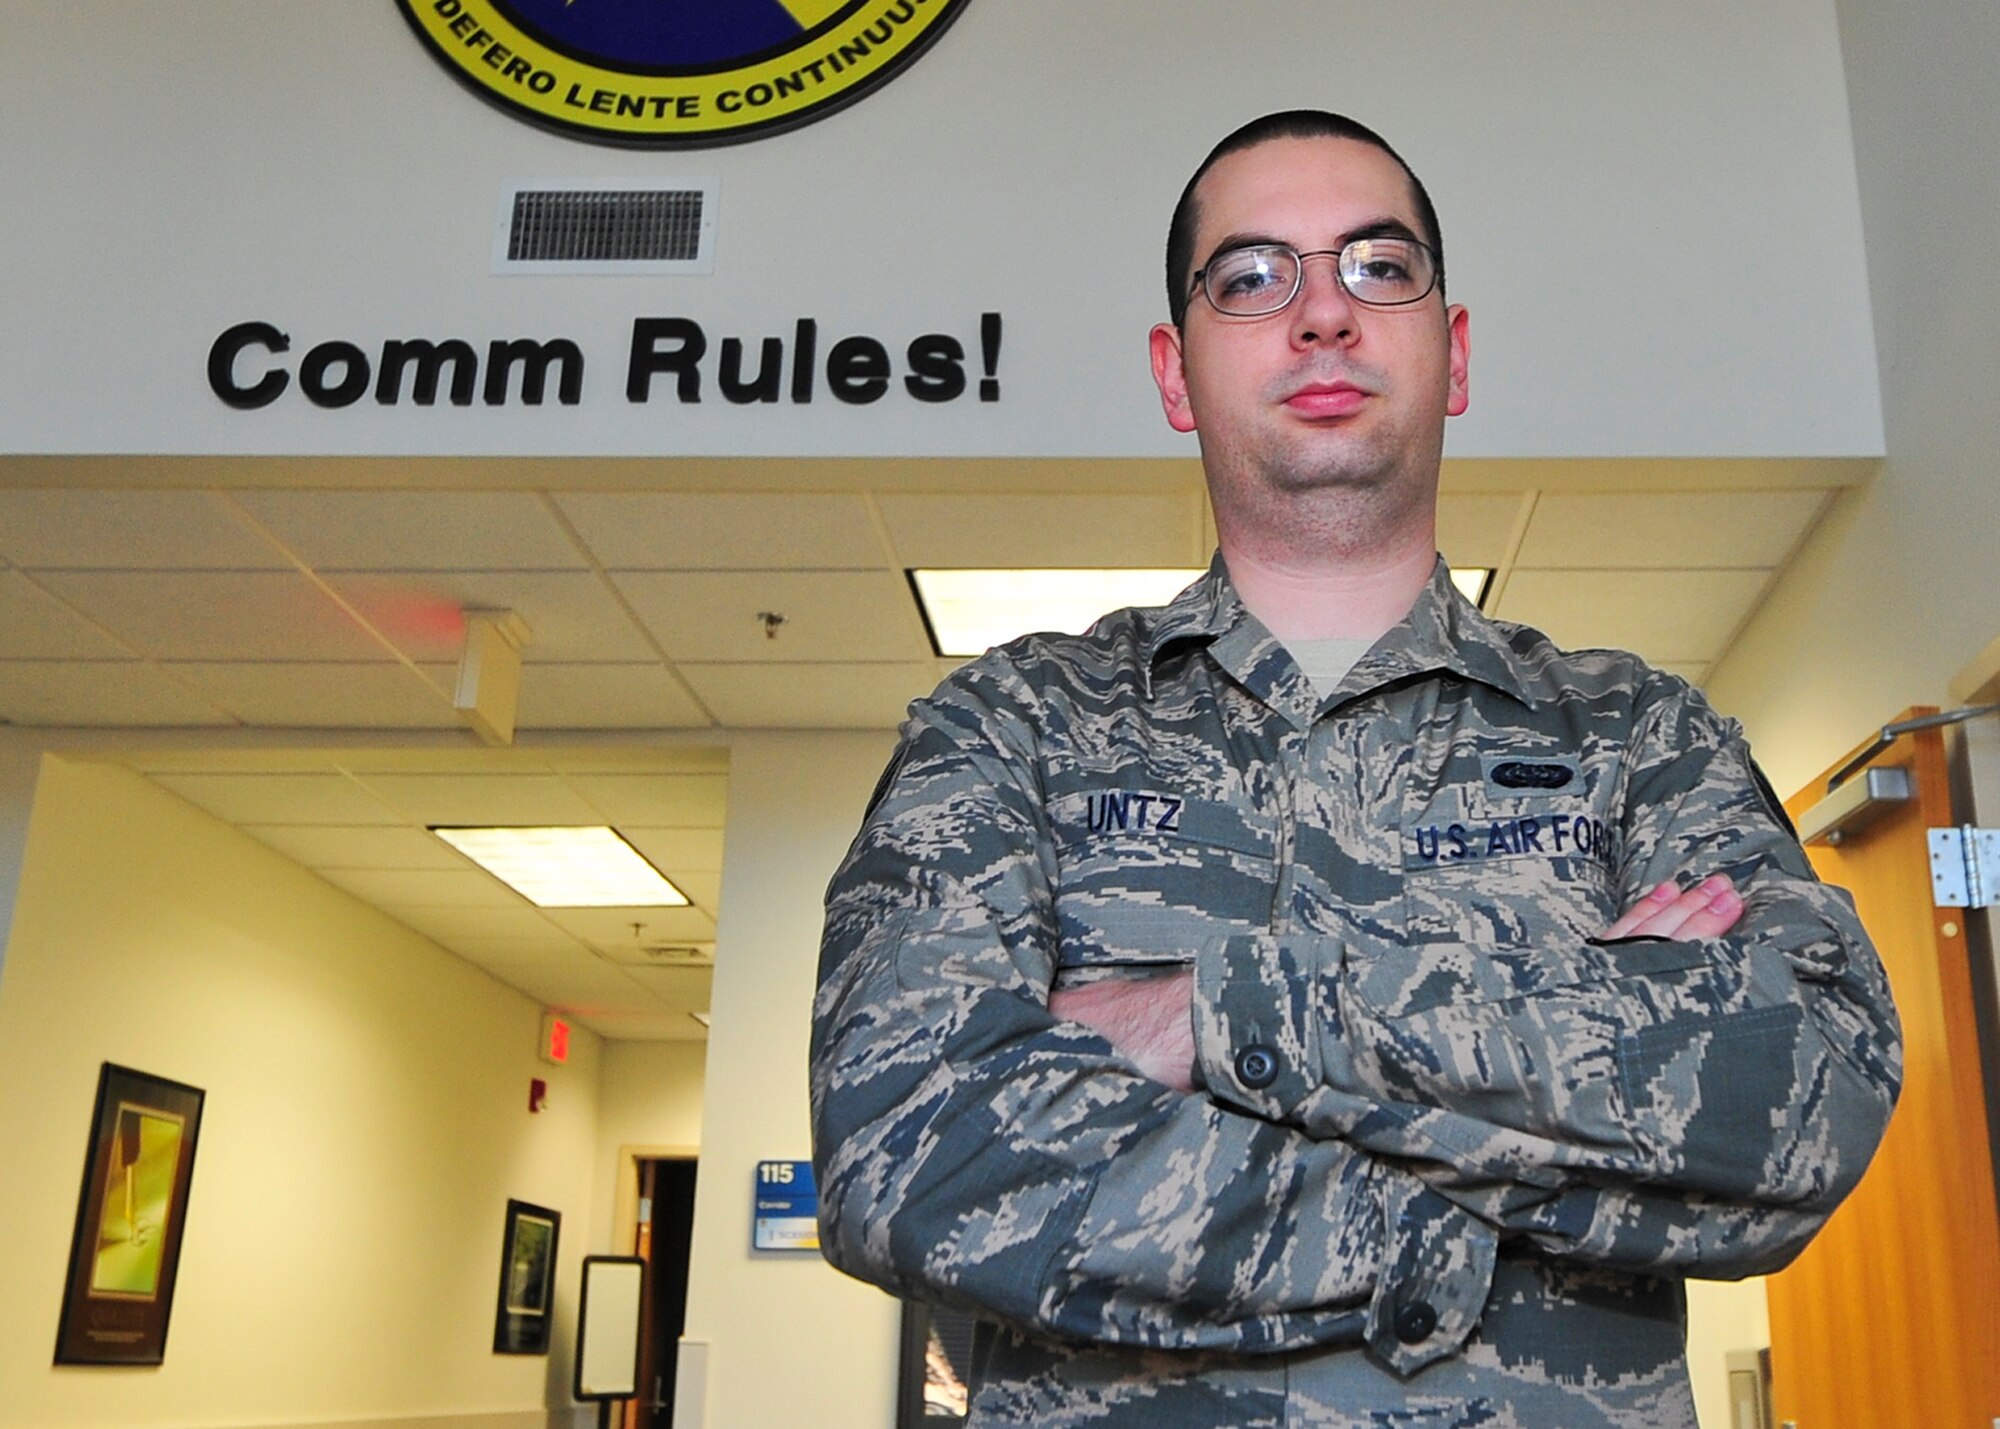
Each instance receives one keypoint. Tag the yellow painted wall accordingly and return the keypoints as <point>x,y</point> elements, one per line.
<point>649,1095</point>
<point>357,1149</point>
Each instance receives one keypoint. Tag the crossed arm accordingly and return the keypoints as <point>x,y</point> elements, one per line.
<point>1150,1020</point>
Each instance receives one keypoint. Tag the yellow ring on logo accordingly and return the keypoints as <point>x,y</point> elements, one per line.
<point>826,70</point>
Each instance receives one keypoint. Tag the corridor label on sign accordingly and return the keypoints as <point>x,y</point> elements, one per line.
<point>785,1208</point>
<point>690,74</point>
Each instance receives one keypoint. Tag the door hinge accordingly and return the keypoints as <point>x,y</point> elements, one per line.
<point>1965,867</point>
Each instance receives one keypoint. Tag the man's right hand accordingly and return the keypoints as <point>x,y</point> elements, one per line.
<point>1149,1020</point>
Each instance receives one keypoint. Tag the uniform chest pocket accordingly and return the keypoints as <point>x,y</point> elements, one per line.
<point>1506,882</point>
<point>1146,877</point>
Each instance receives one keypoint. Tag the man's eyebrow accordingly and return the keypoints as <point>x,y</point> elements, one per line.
<point>1385,227</point>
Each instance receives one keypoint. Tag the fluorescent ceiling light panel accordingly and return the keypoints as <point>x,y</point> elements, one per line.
<point>567,867</point>
<point>970,611</point>
<point>1472,582</point>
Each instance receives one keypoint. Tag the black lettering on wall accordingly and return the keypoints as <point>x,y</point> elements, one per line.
<point>352,364</point>
<point>937,368</point>
<point>651,355</point>
<point>805,348</point>
<point>770,368</point>
<point>222,357</point>
<point>534,359</point>
<point>430,360</point>
<point>857,370</point>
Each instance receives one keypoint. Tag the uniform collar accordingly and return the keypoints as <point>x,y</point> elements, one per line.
<point>1443,632</point>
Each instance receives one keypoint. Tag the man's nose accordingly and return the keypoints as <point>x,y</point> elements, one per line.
<point>1323,312</point>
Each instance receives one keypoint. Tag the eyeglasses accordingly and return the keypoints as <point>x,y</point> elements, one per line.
<point>1262,278</point>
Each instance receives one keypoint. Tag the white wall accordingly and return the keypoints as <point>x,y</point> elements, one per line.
<point>792,1341</point>
<point>1649,207</point>
<point>357,1150</point>
<point>1894,592</point>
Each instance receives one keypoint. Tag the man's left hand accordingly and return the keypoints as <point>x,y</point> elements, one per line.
<point>1707,910</point>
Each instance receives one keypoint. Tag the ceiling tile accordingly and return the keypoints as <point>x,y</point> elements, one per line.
<point>322,695</point>
<point>552,947</point>
<point>330,847</point>
<point>828,615</point>
<point>679,989</point>
<point>118,694</point>
<point>279,798</point>
<point>606,697</point>
<point>623,1026</point>
<point>481,799</point>
<point>34,625</point>
<point>1473,530</point>
<point>217,615</point>
<point>1042,531</point>
<point>687,850</point>
<point>571,615</point>
<point>810,696</point>
<point>725,530</point>
<point>1665,616</point>
<point>416,530</point>
<point>449,926</point>
<point>703,887</point>
<point>610,928</point>
<point>111,530</point>
<point>681,801</point>
<point>407,888</point>
<point>585,985</point>
<point>1699,529</point>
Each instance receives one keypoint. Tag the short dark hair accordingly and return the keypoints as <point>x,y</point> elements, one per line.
<point>1286,124</point>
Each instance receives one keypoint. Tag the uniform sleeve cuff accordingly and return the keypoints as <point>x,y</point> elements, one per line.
<point>1436,1274</point>
<point>1256,1038</point>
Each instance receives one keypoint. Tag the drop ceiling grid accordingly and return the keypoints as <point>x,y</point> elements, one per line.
<point>192,590</point>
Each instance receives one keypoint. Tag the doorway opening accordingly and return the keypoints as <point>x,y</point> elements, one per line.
<point>660,1185</point>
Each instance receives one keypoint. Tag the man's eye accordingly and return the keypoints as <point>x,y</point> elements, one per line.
<point>1382,270</point>
<point>1248,282</point>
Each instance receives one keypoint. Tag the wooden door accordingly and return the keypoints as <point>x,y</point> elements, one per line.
<point>1891,1317</point>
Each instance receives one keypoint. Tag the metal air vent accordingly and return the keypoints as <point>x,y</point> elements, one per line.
<point>606,226</point>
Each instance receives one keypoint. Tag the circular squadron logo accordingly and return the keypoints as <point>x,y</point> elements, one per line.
<point>676,73</point>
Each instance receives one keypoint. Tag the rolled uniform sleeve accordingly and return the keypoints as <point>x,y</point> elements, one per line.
<point>970,1148</point>
<point>1643,1103</point>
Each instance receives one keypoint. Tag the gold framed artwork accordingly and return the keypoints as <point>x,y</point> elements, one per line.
<point>125,1252</point>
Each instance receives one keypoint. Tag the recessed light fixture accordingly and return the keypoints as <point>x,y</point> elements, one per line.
<point>567,867</point>
<point>969,611</point>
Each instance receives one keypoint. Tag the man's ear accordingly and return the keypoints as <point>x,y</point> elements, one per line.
<point>1170,376</point>
<point>1458,330</point>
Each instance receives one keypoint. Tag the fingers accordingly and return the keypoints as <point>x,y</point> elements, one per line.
<point>1660,898</point>
<point>1707,910</point>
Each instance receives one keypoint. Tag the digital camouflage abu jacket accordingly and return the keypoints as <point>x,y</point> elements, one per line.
<point>1452,1152</point>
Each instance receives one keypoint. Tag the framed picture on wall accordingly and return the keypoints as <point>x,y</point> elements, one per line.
<point>126,1249</point>
<point>935,1367</point>
<point>527,1280</point>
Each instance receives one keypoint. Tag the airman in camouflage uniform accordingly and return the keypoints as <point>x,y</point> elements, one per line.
<point>1450,1150</point>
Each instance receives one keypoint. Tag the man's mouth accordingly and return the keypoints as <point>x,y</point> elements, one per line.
<point>1326,399</point>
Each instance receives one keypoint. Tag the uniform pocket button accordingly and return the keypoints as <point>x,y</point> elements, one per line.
<point>1415,1321</point>
<point>1256,1067</point>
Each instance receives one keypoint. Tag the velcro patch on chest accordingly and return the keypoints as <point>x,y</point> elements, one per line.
<point>1517,776</point>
